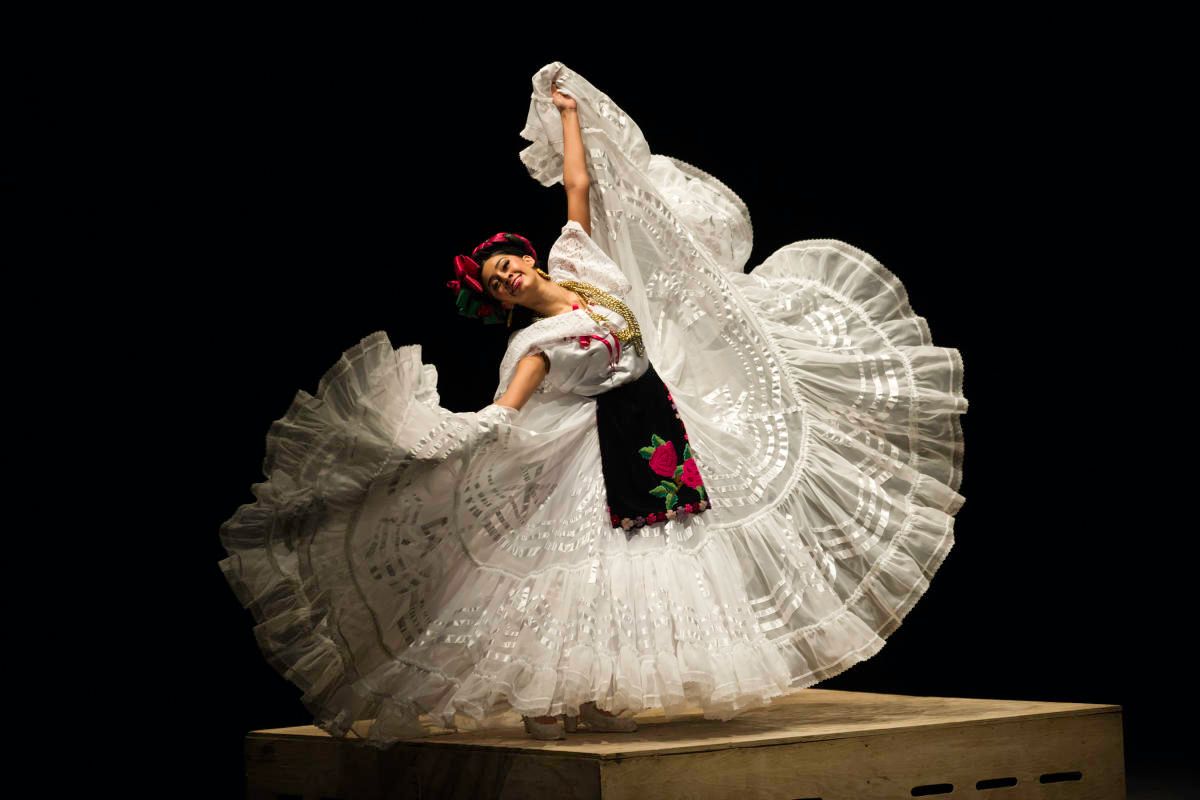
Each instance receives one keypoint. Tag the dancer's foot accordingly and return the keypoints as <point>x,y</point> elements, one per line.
<point>599,720</point>
<point>544,727</point>
<point>592,703</point>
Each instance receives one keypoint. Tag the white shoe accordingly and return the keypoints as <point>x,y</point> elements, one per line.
<point>591,716</point>
<point>544,730</point>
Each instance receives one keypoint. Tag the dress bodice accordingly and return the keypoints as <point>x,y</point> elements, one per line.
<point>593,362</point>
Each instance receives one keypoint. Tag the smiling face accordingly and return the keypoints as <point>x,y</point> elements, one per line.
<point>506,277</point>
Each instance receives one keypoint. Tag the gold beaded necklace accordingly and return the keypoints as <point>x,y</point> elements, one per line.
<point>630,334</point>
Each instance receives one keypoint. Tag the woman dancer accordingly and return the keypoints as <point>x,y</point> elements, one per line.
<point>695,487</point>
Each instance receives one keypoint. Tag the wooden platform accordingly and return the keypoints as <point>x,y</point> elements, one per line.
<point>817,743</point>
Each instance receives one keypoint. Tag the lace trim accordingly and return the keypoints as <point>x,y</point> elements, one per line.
<point>578,254</point>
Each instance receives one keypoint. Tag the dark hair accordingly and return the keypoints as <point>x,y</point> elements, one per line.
<point>521,316</point>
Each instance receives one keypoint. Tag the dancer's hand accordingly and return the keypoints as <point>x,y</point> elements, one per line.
<point>561,101</point>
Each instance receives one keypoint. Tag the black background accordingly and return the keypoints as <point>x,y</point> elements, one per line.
<point>303,194</point>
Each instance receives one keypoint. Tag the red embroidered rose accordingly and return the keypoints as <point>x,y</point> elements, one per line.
<point>664,460</point>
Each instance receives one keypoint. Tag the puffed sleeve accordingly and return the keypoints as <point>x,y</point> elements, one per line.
<point>577,256</point>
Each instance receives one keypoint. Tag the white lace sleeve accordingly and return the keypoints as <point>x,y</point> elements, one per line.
<point>578,256</point>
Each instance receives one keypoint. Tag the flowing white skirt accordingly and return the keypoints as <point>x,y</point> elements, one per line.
<point>410,567</point>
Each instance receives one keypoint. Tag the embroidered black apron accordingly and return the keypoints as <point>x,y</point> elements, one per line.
<point>649,472</point>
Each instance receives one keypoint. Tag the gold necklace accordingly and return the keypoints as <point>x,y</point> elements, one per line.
<point>630,334</point>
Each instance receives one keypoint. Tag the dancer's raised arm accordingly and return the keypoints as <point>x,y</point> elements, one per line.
<point>575,175</point>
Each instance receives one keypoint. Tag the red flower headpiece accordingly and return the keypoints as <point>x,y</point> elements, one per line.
<point>467,283</point>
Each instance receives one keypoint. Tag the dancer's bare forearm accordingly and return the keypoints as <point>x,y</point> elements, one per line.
<point>575,174</point>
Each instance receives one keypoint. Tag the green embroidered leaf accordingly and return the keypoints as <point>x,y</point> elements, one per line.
<point>687,450</point>
<point>647,452</point>
<point>660,491</point>
<point>678,473</point>
<point>672,500</point>
<point>701,492</point>
<point>654,437</point>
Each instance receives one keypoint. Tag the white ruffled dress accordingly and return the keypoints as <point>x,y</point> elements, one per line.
<point>411,567</point>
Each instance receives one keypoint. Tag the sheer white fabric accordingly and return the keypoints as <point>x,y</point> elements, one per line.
<point>409,566</point>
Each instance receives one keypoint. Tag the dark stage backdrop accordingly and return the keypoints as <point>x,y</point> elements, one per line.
<point>304,202</point>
